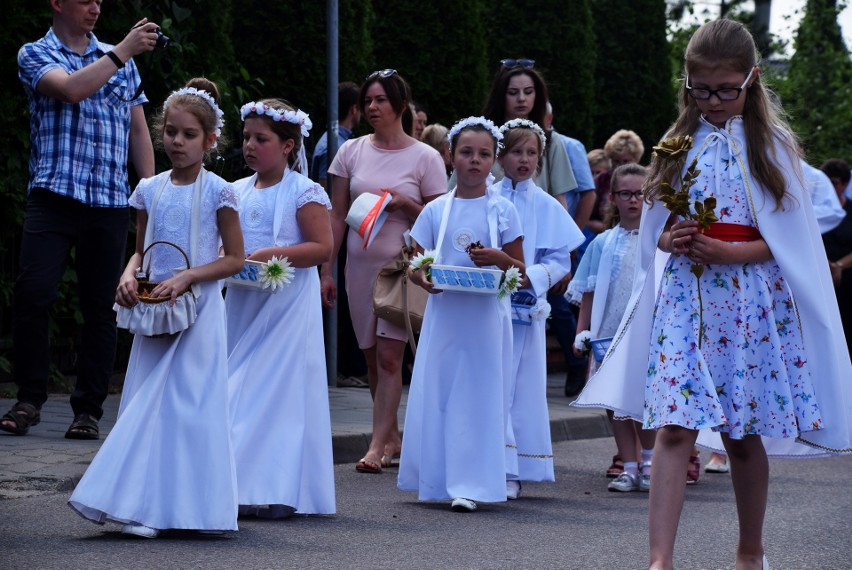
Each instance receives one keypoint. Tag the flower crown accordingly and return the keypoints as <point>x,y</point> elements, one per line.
<point>526,124</point>
<point>472,122</point>
<point>220,122</point>
<point>296,117</point>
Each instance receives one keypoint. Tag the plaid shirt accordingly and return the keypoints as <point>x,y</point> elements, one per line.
<point>79,150</point>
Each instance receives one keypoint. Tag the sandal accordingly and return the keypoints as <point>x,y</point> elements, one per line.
<point>84,426</point>
<point>367,466</point>
<point>617,467</point>
<point>693,472</point>
<point>389,462</point>
<point>23,415</point>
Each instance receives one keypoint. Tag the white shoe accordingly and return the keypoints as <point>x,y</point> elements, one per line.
<point>513,489</point>
<point>624,483</point>
<point>714,467</point>
<point>461,505</point>
<point>765,563</point>
<point>140,530</point>
<point>645,476</point>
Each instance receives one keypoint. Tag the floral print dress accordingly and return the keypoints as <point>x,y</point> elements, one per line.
<point>750,374</point>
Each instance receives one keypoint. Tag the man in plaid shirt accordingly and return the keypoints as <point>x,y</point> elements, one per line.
<point>85,115</point>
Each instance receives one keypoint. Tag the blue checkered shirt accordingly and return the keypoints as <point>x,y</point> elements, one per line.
<point>79,150</point>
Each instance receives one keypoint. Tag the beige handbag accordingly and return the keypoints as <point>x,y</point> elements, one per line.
<point>396,299</point>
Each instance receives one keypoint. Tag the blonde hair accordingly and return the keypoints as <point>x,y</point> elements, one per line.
<point>517,135</point>
<point>597,157</point>
<point>196,106</point>
<point>435,135</point>
<point>725,44</point>
<point>624,142</point>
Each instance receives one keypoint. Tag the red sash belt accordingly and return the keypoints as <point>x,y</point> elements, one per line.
<point>732,232</point>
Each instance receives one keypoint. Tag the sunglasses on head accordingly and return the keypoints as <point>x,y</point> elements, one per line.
<point>381,73</point>
<point>527,63</point>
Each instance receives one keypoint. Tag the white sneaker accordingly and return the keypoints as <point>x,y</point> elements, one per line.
<point>714,467</point>
<point>513,489</point>
<point>140,530</point>
<point>461,505</point>
<point>645,477</point>
<point>624,483</point>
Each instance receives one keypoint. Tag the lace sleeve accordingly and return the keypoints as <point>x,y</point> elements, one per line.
<point>228,198</point>
<point>139,198</point>
<point>313,193</point>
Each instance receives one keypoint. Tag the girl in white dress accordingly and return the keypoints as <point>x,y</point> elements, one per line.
<point>601,287</point>
<point>167,463</point>
<point>453,443</point>
<point>280,424</point>
<point>753,346</point>
<point>549,237</point>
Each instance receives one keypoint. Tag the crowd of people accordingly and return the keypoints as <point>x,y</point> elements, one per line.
<point>712,325</point>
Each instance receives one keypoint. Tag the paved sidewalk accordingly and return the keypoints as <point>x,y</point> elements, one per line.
<point>44,461</point>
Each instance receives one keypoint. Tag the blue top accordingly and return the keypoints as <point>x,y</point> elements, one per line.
<point>79,150</point>
<point>582,171</point>
<point>319,162</point>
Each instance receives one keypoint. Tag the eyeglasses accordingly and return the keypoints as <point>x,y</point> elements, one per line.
<point>626,195</point>
<point>381,73</point>
<point>526,63</point>
<point>724,94</point>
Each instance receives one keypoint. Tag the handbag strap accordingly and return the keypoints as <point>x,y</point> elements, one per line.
<point>411,342</point>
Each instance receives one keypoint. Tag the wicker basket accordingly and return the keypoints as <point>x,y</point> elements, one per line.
<point>145,285</point>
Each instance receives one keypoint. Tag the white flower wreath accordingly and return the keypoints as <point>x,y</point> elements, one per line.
<point>473,121</point>
<point>220,121</point>
<point>526,124</point>
<point>296,117</point>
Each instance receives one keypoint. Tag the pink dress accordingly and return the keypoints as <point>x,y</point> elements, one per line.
<point>416,171</point>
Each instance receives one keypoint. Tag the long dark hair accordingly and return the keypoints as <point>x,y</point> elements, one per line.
<point>495,104</point>
<point>398,93</point>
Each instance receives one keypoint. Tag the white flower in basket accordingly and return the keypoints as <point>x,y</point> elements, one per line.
<point>276,273</point>
<point>511,282</point>
<point>583,342</point>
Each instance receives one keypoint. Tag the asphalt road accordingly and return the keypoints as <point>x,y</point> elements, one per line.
<point>574,523</point>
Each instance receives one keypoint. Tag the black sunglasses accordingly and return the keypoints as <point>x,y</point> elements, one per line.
<point>526,63</point>
<point>381,73</point>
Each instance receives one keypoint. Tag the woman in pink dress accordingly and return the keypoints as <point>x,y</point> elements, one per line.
<point>413,172</point>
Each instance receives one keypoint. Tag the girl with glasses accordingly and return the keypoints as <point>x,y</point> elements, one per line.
<point>752,346</point>
<point>601,287</point>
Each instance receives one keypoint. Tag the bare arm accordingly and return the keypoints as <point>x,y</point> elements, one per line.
<point>339,208</point>
<point>127,294</point>
<point>314,222</point>
<point>85,82</point>
<point>141,149</point>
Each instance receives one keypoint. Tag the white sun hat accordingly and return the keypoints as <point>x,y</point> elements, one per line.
<point>367,215</point>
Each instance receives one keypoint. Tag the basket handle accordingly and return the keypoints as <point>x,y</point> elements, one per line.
<point>153,243</point>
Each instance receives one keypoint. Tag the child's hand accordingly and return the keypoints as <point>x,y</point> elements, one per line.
<point>418,277</point>
<point>127,292</point>
<point>483,256</point>
<point>681,235</point>
<point>561,286</point>
<point>707,251</point>
<point>174,287</point>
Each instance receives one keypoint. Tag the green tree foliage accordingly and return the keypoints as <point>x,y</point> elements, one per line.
<point>439,47</point>
<point>560,37</point>
<point>283,44</point>
<point>818,90</point>
<point>634,88</point>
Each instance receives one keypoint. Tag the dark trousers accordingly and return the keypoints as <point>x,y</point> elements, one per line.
<point>54,224</point>
<point>563,325</point>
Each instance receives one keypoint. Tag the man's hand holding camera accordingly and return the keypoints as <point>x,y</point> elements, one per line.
<point>144,36</point>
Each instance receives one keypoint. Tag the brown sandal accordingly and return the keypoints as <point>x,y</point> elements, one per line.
<point>84,426</point>
<point>617,467</point>
<point>23,415</point>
